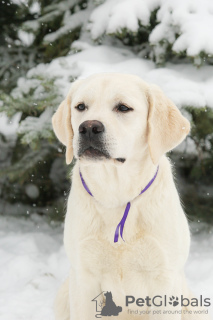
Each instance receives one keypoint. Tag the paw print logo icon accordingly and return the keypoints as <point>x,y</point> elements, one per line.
<point>174,301</point>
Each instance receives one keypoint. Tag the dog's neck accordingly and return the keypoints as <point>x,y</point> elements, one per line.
<point>115,185</point>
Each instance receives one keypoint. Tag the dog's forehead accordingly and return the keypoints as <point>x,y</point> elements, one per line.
<point>110,87</point>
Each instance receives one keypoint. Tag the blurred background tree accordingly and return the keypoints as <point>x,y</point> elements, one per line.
<point>33,176</point>
<point>26,173</point>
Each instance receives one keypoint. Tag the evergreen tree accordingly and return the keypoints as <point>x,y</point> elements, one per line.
<point>26,174</point>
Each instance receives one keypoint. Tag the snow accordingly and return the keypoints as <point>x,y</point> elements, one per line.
<point>33,265</point>
<point>186,24</point>
<point>199,269</point>
<point>35,8</point>
<point>192,20</point>
<point>70,22</point>
<point>36,128</point>
<point>183,83</point>
<point>19,2</point>
<point>26,38</point>
<point>31,25</point>
<point>110,17</point>
<point>9,127</point>
<point>32,191</point>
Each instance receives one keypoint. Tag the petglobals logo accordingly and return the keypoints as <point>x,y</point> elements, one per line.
<point>159,301</point>
<point>105,306</point>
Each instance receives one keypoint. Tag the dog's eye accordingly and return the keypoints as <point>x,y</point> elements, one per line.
<point>81,107</point>
<point>123,108</point>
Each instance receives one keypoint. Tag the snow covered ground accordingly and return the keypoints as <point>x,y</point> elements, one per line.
<point>33,264</point>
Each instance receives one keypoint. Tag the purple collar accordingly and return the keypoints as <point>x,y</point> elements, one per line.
<point>123,220</point>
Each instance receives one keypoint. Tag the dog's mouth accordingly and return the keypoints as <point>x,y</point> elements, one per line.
<point>122,160</point>
<point>92,152</point>
<point>97,153</point>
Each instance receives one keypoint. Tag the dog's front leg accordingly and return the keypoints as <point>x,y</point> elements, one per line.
<point>84,287</point>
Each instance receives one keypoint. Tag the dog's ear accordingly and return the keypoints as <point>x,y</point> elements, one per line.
<point>61,122</point>
<point>62,127</point>
<point>166,126</point>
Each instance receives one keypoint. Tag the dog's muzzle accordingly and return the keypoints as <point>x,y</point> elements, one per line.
<point>91,140</point>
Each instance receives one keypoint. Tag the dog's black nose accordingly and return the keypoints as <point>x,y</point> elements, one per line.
<point>91,127</point>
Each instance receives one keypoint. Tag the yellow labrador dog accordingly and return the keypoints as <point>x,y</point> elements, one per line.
<point>126,235</point>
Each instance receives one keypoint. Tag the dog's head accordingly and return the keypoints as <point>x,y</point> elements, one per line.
<point>108,295</point>
<point>116,117</point>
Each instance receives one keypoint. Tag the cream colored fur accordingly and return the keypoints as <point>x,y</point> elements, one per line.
<point>152,258</point>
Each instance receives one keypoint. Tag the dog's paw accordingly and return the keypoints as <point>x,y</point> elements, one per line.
<point>174,301</point>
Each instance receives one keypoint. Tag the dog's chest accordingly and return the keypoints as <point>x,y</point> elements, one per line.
<point>121,261</point>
